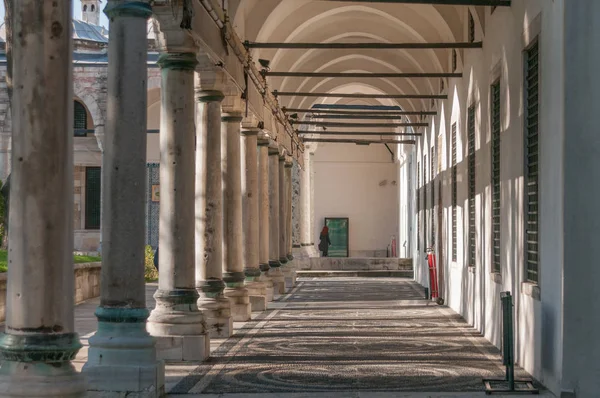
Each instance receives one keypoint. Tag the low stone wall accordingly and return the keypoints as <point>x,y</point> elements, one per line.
<point>354,264</point>
<point>87,285</point>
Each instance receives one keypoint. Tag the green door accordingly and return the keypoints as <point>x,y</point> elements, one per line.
<point>338,234</point>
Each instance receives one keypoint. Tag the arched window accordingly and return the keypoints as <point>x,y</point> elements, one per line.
<point>84,7</point>
<point>80,116</point>
<point>93,8</point>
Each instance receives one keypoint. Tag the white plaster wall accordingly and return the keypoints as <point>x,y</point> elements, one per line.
<point>347,184</point>
<point>474,293</point>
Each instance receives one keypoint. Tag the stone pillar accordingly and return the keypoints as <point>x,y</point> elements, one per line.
<point>305,212</point>
<point>209,217</point>
<point>257,290</point>
<point>283,213</point>
<point>289,163</point>
<point>39,340</point>
<point>122,355</point>
<point>313,234</point>
<point>176,321</point>
<point>275,272</point>
<point>263,212</point>
<point>233,260</point>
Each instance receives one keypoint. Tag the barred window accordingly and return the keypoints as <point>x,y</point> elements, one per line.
<point>432,174</point>
<point>92,197</point>
<point>471,172</point>
<point>418,205</point>
<point>425,211</point>
<point>454,194</point>
<point>454,60</point>
<point>495,111</point>
<point>531,159</point>
<point>471,28</point>
<point>79,116</point>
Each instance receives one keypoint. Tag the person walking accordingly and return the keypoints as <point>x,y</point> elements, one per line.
<point>325,241</point>
<point>156,258</point>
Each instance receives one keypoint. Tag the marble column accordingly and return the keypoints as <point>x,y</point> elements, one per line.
<point>209,216</point>
<point>275,272</point>
<point>176,320</point>
<point>283,213</point>
<point>233,260</point>
<point>39,340</point>
<point>289,163</point>
<point>305,212</point>
<point>257,290</point>
<point>122,355</point>
<point>263,212</point>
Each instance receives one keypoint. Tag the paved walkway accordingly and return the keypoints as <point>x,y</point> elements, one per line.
<point>338,337</point>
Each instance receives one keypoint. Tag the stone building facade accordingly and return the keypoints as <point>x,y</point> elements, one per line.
<point>90,75</point>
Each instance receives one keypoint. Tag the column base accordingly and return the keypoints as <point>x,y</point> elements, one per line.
<point>39,365</point>
<point>40,379</point>
<point>289,272</point>
<point>177,323</point>
<point>122,357</point>
<point>257,291</point>
<point>183,348</point>
<point>268,286</point>
<point>241,310</point>
<point>217,316</point>
<point>278,279</point>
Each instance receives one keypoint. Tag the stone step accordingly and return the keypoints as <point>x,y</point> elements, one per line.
<point>362,274</point>
<point>353,264</point>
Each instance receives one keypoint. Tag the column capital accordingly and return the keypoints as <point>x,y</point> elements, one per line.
<point>209,95</point>
<point>289,161</point>
<point>232,117</point>
<point>263,138</point>
<point>177,61</point>
<point>273,148</point>
<point>140,9</point>
<point>250,131</point>
<point>282,154</point>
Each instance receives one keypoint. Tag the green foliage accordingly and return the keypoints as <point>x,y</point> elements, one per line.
<point>3,261</point>
<point>86,259</point>
<point>2,218</point>
<point>76,260</point>
<point>150,271</point>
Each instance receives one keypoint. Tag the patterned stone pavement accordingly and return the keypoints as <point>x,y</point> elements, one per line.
<point>340,337</point>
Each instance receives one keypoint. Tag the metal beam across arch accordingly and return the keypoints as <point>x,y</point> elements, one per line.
<point>362,75</point>
<point>365,46</point>
<point>334,133</point>
<point>357,95</point>
<point>366,125</point>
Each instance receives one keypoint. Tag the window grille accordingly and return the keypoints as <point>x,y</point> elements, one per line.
<point>531,160</point>
<point>471,28</point>
<point>425,211</point>
<point>454,194</point>
<point>495,100</point>
<point>432,176</point>
<point>92,197</point>
<point>454,60</point>
<point>79,116</point>
<point>471,171</point>
<point>418,205</point>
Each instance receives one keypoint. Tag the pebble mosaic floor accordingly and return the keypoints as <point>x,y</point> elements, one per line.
<point>347,335</point>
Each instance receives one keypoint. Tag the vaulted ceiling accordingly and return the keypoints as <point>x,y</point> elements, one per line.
<point>322,21</point>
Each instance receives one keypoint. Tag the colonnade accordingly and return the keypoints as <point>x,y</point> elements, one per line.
<point>225,212</point>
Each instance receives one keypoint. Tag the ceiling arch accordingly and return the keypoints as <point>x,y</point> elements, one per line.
<point>314,21</point>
